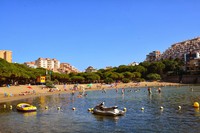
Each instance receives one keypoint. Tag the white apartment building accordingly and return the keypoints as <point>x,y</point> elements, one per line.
<point>51,64</point>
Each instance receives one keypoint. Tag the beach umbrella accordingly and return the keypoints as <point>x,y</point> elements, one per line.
<point>29,87</point>
<point>89,85</point>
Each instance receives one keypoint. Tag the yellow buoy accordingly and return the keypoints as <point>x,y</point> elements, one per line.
<point>125,109</point>
<point>196,105</point>
<point>46,107</point>
<point>58,108</point>
<point>4,105</point>
<point>10,106</point>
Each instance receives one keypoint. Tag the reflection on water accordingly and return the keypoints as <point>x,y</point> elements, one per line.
<point>66,120</point>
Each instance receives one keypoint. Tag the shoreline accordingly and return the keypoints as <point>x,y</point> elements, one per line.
<point>14,93</point>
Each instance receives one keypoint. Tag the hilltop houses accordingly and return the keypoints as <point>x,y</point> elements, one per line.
<point>90,69</point>
<point>188,51</point>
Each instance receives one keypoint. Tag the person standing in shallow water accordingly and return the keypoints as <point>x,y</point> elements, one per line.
<point>123,91</point>
<point>149,90</point>
<point>159,90</point>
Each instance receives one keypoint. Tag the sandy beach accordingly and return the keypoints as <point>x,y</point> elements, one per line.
<point>12,93</point>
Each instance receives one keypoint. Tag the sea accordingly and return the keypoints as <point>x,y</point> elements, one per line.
<point>170,111</point>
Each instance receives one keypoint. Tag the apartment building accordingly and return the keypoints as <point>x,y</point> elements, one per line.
<point>30,64</point>
<point>67,68</point>
<point>6,55</point>
<point>153,56</point>
<point>50,64</point>
<point>90,69</point>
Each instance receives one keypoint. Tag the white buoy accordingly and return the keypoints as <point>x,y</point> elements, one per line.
<point>142,108</point>
<point>58,108</point>
<point>179,107</point>
<point>46,107</point>
<point>10,106</point>
<point>161,107</point>
<point>125,109</point>
<point>4,105</point>
<point>73,108</point>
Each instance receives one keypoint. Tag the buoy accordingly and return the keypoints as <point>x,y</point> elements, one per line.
<point>46,107</point>
<point>92,109</point>
<point>73,108</point>
<point>58,108</point>
<point>10,106</point>
<point>142,108</point>
<point>89,109</point>
<point>179,107</point>
<point>4,105</point>
<point>125,109</point>
<point>161,107</point>
<point>196,105</point>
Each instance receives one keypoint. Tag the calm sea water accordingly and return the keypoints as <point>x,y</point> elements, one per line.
<point>152,119</point>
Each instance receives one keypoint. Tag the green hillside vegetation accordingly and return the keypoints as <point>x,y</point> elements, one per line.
<point>14,73</point>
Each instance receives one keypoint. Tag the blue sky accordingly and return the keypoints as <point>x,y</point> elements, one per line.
<point>96,33</point>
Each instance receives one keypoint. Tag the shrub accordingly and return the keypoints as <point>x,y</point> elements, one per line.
<point>153,76</point>
<point>125,80</point>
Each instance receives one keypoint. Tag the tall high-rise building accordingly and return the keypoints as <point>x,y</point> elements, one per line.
<point>6,55</point>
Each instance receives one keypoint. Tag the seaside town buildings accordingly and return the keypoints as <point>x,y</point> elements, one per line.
<point>52,64</point>
<point>90,69</point>
<point>153,56</point>
<point>67,68</point>
<point>178,50</point>
<point>133,64</point>
<point>6,55</point>
<point>188,51</point>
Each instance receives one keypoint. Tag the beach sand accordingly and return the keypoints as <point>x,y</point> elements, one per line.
<point>13,93</point>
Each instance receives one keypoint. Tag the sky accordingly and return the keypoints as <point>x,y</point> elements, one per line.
<point>96,33</point>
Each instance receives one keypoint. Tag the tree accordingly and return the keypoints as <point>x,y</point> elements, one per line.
<point>153,76</point>
<point>91,77</point>
<point>125,80</point>
<point>156,67</point>
<point>128,75</point>
<point>108,80</point>
<point>77,79</point>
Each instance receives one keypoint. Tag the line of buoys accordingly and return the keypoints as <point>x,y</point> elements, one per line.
<point>90,109</point>
<point>196,105</point>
